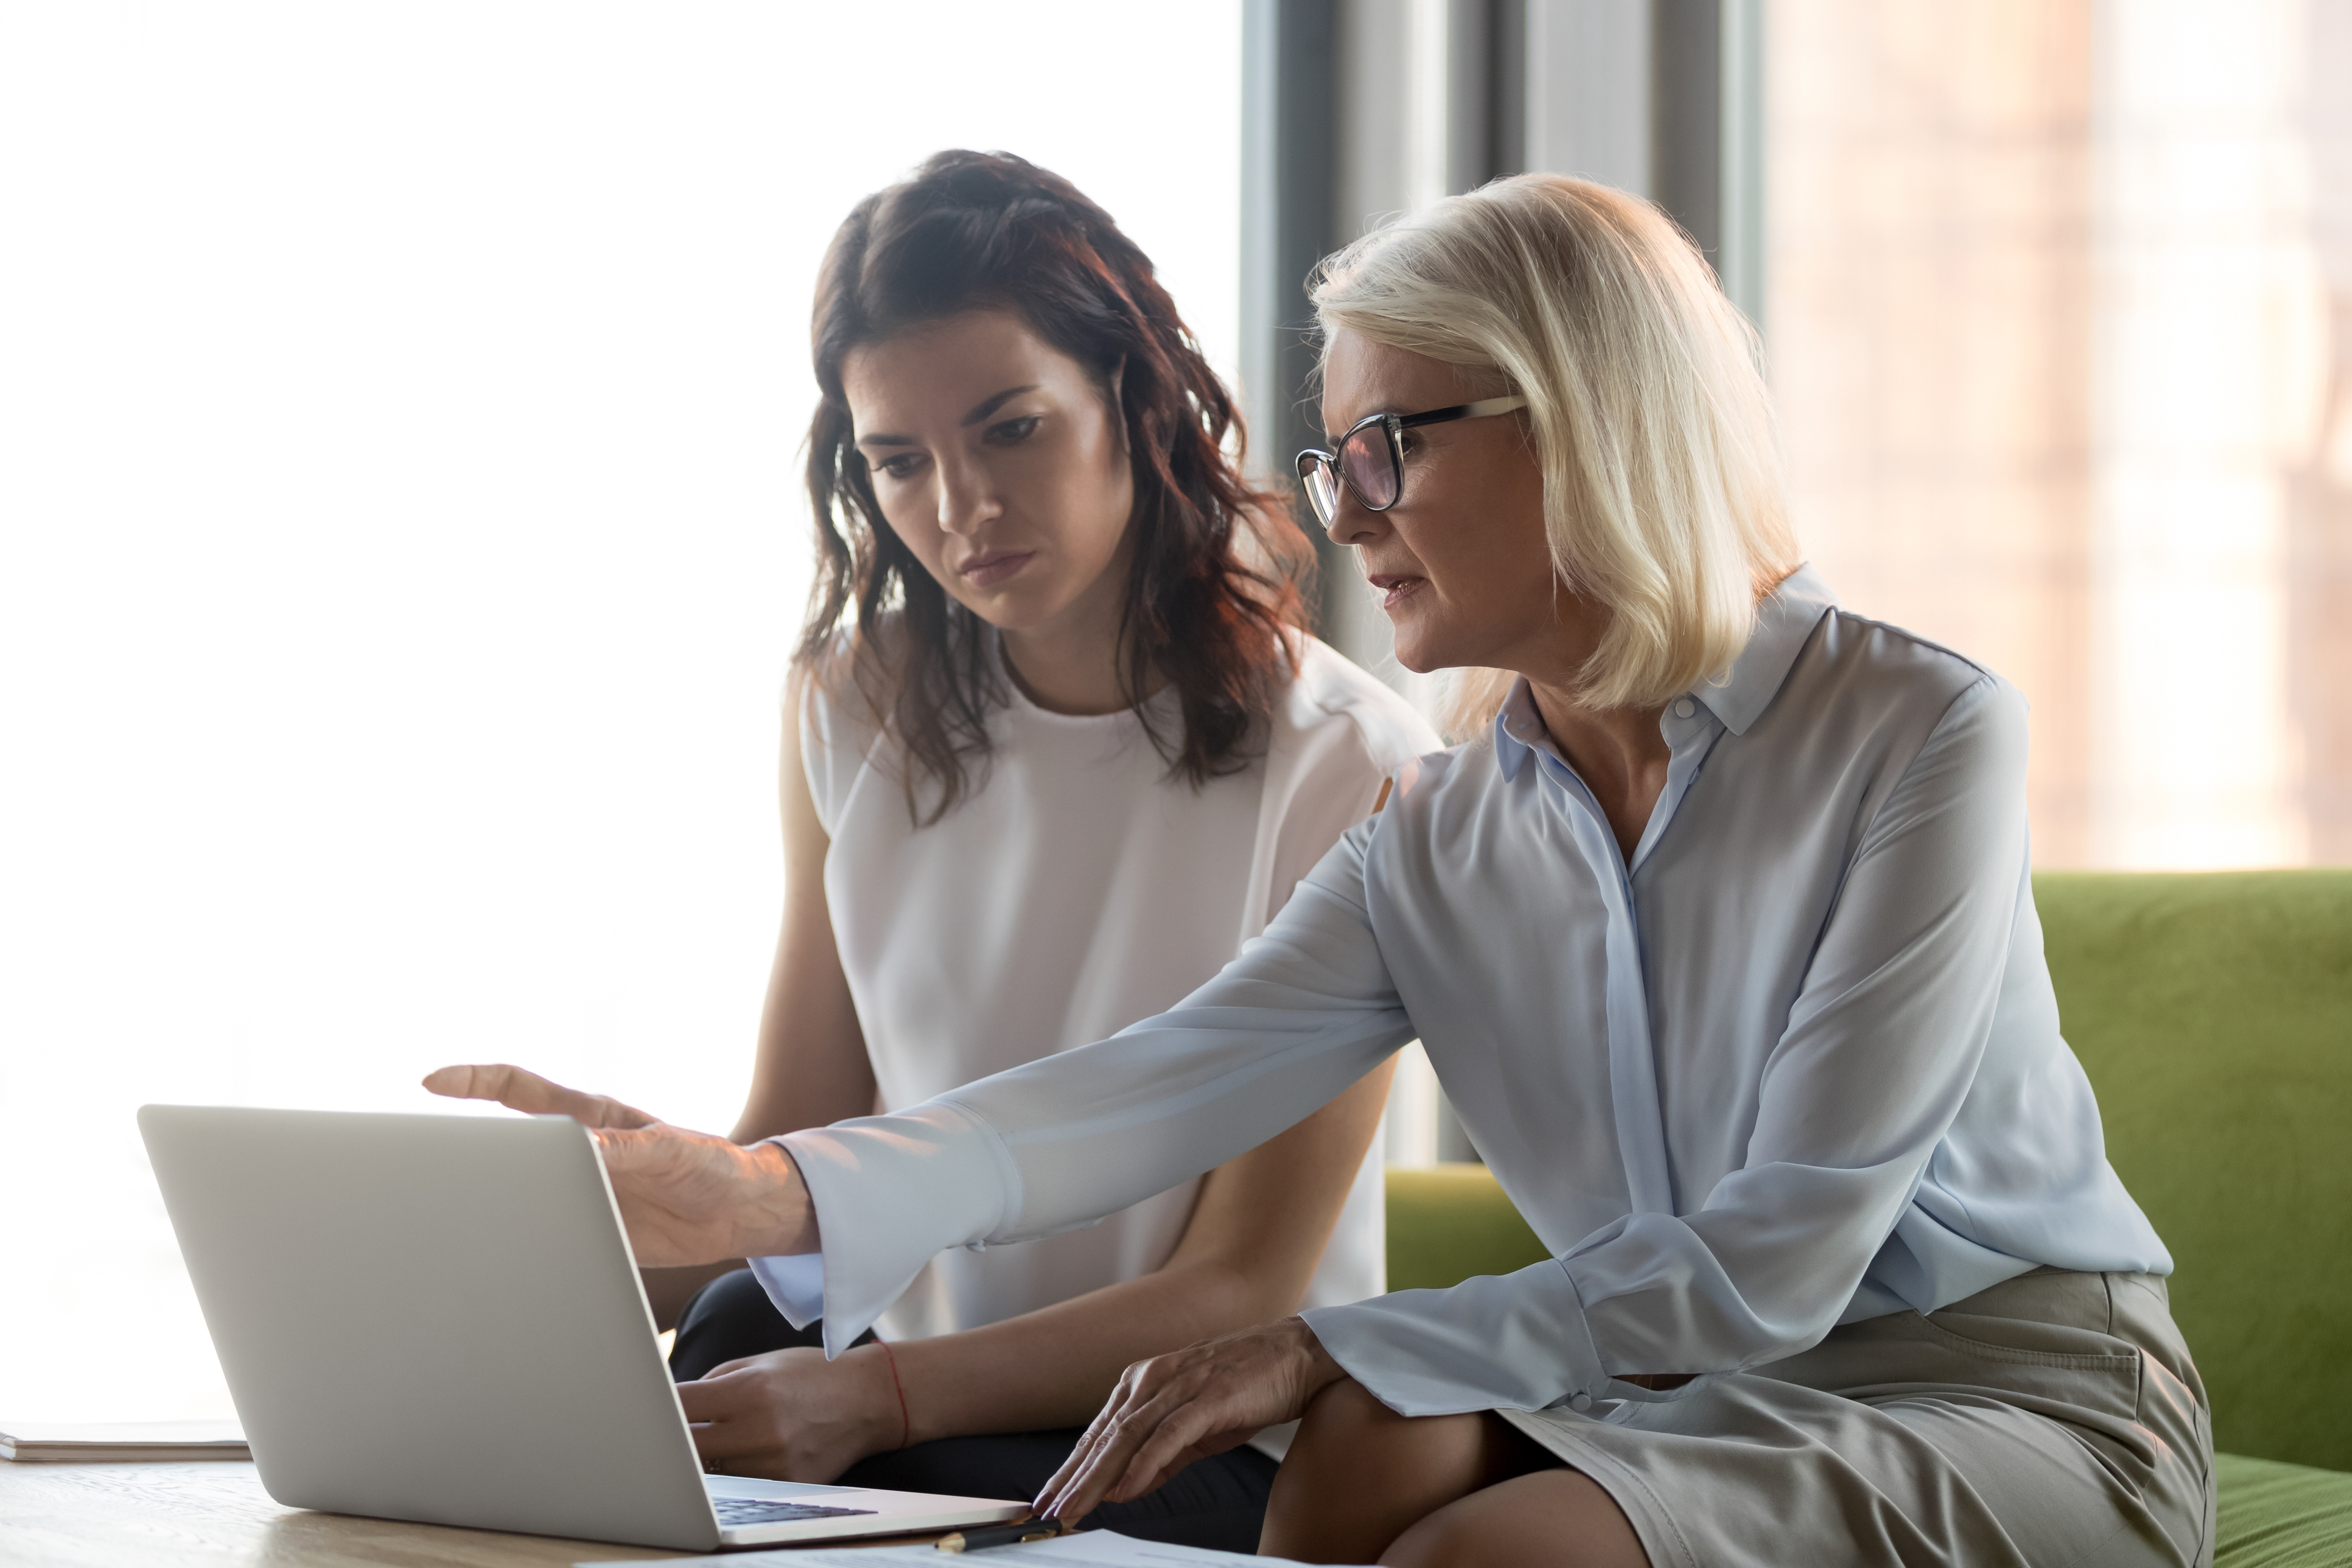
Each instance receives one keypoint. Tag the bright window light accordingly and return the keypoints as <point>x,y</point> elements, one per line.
<point>400,547</point>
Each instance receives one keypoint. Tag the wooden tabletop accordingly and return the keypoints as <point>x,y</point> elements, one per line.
<point>214,1513</point>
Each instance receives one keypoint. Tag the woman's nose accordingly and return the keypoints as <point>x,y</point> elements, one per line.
<point>1351,523</point>
<point>967,498</point>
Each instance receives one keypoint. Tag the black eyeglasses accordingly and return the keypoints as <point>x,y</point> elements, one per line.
<point>1370,458</point>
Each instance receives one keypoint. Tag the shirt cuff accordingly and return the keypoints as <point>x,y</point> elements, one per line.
<point>890,1193</point>
<point>795,1285</point>
<point>1507,1341</point>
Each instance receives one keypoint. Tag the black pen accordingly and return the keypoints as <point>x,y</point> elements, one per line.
<point>1013,1534</point>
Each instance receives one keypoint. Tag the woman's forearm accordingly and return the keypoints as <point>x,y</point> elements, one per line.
<point>1259,1225</point>
<point>1054,1367</point>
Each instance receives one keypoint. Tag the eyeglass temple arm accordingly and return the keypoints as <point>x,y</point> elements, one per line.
<point>1478,410</point>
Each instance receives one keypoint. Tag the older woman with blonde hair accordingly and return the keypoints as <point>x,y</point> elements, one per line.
<point>1721,938</point>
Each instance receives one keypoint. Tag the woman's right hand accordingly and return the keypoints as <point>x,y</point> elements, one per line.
<point>694,1197</point>
<point>519,1088</point>
<point>1188,1404</point>
<point>686,1197</point>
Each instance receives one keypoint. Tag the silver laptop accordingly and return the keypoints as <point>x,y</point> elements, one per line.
<point>437,1317</point>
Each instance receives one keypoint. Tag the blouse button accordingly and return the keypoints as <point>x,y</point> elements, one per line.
<point>1685,707</point>
<point>1580,1403</point>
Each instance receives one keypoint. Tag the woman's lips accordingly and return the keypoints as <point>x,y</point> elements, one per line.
<point>1395,589</point>
<point>994,566</point>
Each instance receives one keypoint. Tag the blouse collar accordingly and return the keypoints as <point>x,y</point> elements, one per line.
<point>1785,620</point>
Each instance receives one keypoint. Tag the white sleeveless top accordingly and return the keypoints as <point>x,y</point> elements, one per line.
<point>1078,890</point>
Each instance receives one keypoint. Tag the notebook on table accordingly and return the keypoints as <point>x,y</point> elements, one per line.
<point>121,1442</point>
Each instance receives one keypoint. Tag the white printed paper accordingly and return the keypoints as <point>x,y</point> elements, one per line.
<point>1089,1549</point>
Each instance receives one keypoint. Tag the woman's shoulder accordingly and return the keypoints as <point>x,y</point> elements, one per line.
<point>833,686</point>
<point>835,696</point>
<point>1332,701</point>
<point>1904,677</point>
<point>1867,699</point>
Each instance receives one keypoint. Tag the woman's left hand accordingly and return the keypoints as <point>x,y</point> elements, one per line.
<point>792,1416</point>
<point>1188,1404</point>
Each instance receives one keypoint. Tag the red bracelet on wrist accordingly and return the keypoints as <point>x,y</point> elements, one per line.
<point>906,1427</point>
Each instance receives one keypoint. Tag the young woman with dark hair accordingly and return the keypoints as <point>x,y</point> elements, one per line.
<point>1057,747</point>
<point>1199,592</point>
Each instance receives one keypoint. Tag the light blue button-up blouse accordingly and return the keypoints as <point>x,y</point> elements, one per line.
<point>1796,1064</point>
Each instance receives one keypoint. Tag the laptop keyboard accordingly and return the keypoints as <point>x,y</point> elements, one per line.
<point>742,1510</point>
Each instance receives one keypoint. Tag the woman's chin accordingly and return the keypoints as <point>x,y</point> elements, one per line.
<point>1016,608</point>
<point>1427,638</point>
<point>1416,647</point>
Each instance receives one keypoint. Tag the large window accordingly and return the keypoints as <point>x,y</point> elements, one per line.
<point>2060,320</point>
<point>400,412</point>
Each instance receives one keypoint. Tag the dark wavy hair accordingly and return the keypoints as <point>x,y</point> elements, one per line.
<point>1218,565</point>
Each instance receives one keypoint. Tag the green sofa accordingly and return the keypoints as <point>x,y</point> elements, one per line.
<point>2214,1014</point>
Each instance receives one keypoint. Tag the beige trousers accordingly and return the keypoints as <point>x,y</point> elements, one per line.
<point>2054,1421</point>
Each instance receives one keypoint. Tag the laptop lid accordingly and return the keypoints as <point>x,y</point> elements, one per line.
<point>431,1318</point>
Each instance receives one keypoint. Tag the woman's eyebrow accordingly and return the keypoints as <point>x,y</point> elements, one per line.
<point>979,413</point>
<point>990,405</point>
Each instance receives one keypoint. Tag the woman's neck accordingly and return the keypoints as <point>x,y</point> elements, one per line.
<point>1618,753</point>
<point>1071,674</point>
<point>1063,681</point>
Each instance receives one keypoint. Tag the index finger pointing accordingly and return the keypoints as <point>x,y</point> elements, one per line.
<point>510,1086</point>
<point>518,1089</point>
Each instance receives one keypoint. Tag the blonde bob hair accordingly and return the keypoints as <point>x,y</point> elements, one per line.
<point>1662,482</point>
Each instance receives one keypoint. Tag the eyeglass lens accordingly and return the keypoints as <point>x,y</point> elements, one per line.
<point>1369,464</point>
<point>1322,490</point>
<point>1366,462</point>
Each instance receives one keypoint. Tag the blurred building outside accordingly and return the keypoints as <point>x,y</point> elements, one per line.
<point>2059,318</point>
